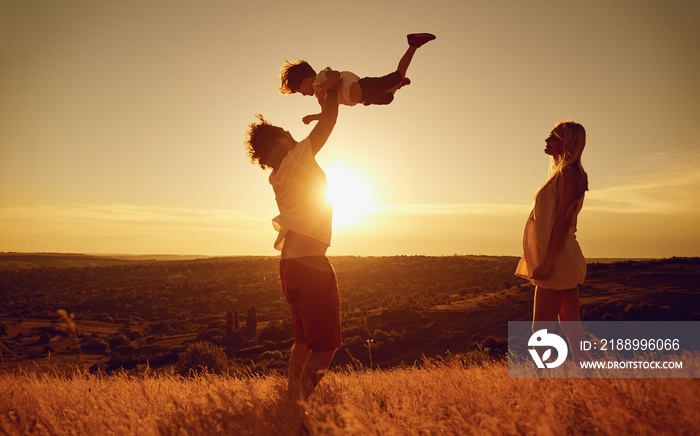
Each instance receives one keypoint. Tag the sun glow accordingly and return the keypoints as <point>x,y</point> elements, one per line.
<point>350,196</point>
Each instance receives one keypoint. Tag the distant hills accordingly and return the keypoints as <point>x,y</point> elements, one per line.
<point>14,260</point>
<point>19,260</point>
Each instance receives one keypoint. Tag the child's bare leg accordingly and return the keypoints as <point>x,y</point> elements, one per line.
<point>405,60</point>
<point>570,315</point>
<point>415,40</point>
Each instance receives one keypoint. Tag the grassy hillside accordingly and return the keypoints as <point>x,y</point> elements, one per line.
<point>394,309</point>
<point>435,398</point>
<point>111,368</point>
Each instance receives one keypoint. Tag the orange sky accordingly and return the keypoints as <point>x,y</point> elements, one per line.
<point>122,123</point>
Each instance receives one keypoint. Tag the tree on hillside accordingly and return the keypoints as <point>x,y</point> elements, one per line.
<point>251,323</point>
<point>229,323</point>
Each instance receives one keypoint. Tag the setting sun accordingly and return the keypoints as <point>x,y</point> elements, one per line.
<point>349,194</point>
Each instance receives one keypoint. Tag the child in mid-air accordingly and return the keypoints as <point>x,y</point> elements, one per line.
<point>300,77</point>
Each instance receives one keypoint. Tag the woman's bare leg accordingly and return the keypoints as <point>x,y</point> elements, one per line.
<point>546,309</point>
<point>563,305</point>
<point>570,319</point>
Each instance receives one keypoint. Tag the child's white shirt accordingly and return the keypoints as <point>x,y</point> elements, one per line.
<point>347,78</point>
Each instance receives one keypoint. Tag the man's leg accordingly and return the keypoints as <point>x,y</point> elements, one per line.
<point>297,358</point>
<point>314,368</point>
<point>320,311</point>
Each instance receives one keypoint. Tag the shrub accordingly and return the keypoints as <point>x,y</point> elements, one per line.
<point>356,345</point>
<point>381,335</point>
<point>134,331</point>
<point>115,362</point>
<point>209,334</point>
<point>98,368</point>
<point>216,324</point>
<point>235,340</point>
<point>202,357</point>
<point>276,331</point>
<point>169,357</point>
<point>273,354</point>
<point>494,346</point>
<point>160,328</point>
<point>96,345</point>
<point>356,331</point>
<point>644,311</point>
<point>117,341</point>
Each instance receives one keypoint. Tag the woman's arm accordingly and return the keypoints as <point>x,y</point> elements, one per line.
<point>565,215</point>
<point>329,114</point>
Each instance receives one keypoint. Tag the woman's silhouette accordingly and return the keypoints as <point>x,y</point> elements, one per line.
<point>552,259</point>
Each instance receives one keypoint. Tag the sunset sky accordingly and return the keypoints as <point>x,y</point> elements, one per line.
<point>122,123</point>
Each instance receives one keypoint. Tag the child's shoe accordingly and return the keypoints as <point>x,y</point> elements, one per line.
<point>418,39</point>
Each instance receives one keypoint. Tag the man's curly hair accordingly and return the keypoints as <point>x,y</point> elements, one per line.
<point>292,74</point>
<point>261,143</point>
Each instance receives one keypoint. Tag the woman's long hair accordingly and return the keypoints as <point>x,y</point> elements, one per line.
<point>573,136</point>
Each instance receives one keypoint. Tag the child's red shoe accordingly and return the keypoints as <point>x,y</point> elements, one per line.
<point>418,39</point>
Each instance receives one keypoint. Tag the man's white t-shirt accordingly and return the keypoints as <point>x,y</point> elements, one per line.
<point>300,187</point>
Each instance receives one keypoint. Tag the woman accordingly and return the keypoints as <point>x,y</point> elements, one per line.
<point>552,259</point>
<point>304,226</point>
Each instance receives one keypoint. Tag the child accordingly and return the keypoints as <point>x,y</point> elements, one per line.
<point>300,77</point>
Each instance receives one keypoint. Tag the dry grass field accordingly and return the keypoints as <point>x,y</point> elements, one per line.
<point>430,399</point>
<point>115,370</point>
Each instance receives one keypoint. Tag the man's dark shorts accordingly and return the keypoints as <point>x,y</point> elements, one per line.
<point>375,89</point>
<point>309,285</point>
